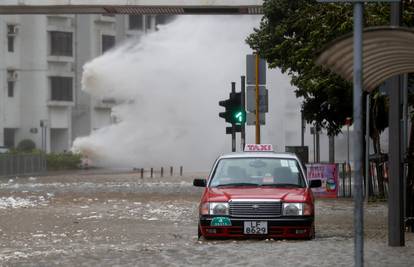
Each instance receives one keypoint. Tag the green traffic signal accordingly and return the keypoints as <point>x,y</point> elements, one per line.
<point>239,117</point>
<point>234,112</point>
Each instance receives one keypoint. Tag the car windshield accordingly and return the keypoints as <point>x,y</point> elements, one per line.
<point>275,172</point>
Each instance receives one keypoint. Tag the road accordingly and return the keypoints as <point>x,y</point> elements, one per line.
<point>119,219</point>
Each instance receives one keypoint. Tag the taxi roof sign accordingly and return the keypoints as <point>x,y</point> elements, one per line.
<point>258,148</point>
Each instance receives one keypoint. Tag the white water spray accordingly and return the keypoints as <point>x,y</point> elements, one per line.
<point>169,83</point>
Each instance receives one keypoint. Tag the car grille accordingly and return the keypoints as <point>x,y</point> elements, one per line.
<point>255,209</point>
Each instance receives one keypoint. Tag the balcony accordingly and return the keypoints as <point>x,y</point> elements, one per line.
<point>59,103</point>
<point>105,103</point>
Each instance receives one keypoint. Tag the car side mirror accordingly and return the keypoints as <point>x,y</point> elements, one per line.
<point>200,182</point>
<point>315,183</point>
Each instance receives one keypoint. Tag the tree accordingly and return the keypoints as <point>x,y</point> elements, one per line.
<point>291,35</point>
<point>26,145</point>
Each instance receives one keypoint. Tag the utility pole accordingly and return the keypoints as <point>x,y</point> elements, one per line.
<point>302,128</point>
<point>318,146</point>
<point>331,149</point>
<point>396,181</point>
<point>367,134</point>
<point>357,134</point>
<point>257,101</point>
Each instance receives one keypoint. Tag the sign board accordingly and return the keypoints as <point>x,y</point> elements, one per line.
<point>251,118</point>
<point>251,70</point>
<point>328,174</point>
<point>258,147</point>
<point>251,99</point>
<point>302,152</point>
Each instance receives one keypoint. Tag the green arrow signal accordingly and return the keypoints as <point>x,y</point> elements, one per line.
<point>239,116</point>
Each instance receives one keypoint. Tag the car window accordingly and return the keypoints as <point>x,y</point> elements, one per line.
<point>257,171</point>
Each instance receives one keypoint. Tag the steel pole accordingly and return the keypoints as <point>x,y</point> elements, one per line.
<point>367,133</point>
<point>302,128</point>
<point>347,151</point>
<point>257,101</point>
<point>314,145</point>
<point>318,146</point>
<point>243,103</point>
<point>357,135</point>
<point>395,185</point>
<point>233,126</point>
<point>404,149</point>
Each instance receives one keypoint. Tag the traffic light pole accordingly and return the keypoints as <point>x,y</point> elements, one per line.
<point>243,103</point>
<point>233,126</point>
<point>257,101</point>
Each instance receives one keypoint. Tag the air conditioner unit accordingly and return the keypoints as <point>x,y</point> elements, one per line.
<point>12,29</point>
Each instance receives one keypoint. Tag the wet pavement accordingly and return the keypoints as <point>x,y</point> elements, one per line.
<point>119,219</point>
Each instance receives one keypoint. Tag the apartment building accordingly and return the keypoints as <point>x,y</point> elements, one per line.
<point>40,74</point>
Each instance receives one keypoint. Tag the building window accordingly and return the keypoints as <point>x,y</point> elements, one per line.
<point>10,43</point>
<point>108,41</point>
<point>61,88</point>
<point>11,79</point>
<point>148,22</point>
<point>10,88</point>
<point>61,43</point>
<point>11,35</point>
<point>8,137</point>
<point>164,19</point>
<point>135,22</point>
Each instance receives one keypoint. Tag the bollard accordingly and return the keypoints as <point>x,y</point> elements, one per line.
<point>162,171</point>
<point>171,171</point>
<point>142,173</point>
<point>152,171</point>
<point>181,170</point>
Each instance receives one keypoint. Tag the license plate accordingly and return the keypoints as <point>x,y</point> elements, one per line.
<point>255,227</point>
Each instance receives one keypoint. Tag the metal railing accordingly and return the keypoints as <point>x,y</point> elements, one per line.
<point>11,165</point>
<point>346,180</point>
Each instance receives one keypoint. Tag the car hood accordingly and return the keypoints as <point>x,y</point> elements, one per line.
<point>284,194</point>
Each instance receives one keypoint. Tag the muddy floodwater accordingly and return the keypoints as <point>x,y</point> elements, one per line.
<point>118,219</point>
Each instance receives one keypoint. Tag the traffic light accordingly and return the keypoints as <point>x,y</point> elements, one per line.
<point>238,113</point>
<point>235,113</point>
<point>226,114</point>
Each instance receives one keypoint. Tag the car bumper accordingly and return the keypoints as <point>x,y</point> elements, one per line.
<point>280,228</point>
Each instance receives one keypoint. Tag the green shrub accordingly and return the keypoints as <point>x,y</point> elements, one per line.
<point>63,161</point>
<point>26,145</point>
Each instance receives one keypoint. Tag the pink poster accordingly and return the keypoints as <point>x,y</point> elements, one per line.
<point>328,174</point>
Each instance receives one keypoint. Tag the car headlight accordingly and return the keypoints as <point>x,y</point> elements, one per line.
<point>219,208</point>
<point>293,209</point>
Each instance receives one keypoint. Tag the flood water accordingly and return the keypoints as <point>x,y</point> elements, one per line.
<point>119,219</point>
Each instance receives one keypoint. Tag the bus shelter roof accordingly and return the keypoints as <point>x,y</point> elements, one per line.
<point>387,51</point>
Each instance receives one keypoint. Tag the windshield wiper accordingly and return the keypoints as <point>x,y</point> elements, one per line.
<point>238,184</point>
<point>283,185</point>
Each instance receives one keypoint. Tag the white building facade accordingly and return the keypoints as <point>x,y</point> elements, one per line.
<point>41,71</point>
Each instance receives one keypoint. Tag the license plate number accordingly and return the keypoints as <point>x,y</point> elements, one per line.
<point>255,227</point>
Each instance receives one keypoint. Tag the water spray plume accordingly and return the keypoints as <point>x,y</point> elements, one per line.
<point>169,83</point>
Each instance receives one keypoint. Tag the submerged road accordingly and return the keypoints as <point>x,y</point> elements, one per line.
<point>119,219</point>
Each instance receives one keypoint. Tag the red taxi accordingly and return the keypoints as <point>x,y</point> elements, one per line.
<point>257,193</point>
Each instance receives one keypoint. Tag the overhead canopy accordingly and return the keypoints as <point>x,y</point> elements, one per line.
<point>387,51</point>
<point>131,6</point>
